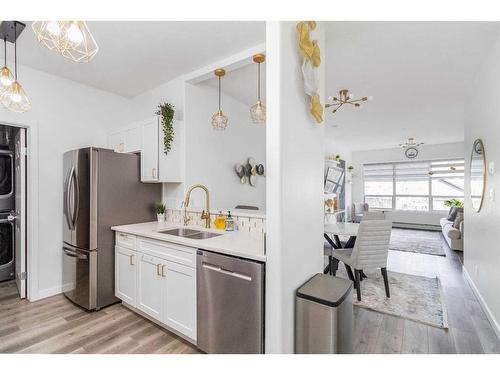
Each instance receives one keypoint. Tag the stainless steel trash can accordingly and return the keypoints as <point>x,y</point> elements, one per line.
<point>323,316</point>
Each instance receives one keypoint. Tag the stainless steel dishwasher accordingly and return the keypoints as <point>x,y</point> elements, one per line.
<point>230,315</point>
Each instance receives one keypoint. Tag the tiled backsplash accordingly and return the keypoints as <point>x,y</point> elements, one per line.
<point>242,223</point>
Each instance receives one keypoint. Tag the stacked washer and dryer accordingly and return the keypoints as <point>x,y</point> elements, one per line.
<point>7,203</point>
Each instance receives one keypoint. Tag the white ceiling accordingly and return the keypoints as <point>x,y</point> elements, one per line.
<point>241,83</point>
<point>418,73</point>
<point>135,56</point>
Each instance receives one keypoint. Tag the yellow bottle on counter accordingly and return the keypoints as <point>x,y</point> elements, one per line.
<point>220,221</point>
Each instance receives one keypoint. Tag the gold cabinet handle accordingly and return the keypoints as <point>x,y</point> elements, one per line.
<point>131,258</point>
<point>153,172</point>
<point>158,272</point>
<point>163,271</point>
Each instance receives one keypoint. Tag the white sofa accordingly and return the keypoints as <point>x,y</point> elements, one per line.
<point>453,236</point>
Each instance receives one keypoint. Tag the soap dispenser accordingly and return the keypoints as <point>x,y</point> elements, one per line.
<point>220,221</point>
<point>229,222</point>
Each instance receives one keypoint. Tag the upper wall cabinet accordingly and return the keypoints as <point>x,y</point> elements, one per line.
<point>128,139</point>
<point>146,137</point>
<point>149,153</point>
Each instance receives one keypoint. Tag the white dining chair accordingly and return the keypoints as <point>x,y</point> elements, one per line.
<point>369,252</point>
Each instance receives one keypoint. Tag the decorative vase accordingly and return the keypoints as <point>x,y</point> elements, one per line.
<point>161,218</point>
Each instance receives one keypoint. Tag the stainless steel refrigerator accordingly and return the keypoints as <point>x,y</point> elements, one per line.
<point>102,188</point>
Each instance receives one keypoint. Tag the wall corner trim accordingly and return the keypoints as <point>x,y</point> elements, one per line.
<point>482,302</point>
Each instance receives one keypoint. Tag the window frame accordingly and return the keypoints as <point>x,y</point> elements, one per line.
<point>393,197</point>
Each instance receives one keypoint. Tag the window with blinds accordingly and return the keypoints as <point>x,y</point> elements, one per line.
<point>413,186</point>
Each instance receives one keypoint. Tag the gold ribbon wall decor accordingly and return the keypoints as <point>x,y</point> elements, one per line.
<point>311,54</point>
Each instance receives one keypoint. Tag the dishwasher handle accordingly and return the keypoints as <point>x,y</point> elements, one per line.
<point>218,269</point>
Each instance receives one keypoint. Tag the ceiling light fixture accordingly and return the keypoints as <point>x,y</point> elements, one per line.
<point>345,97</point>
<point>6,77</point>
<point>72,39</point>
<point>258,110</point>
<point>13,97</point>
<point>410,142</point>
<point>219,120</point>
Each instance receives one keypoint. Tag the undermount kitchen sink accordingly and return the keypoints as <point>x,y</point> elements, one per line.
<point>190,233</point>
<point>181,232</point>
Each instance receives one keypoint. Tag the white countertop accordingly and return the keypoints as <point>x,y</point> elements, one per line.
<point>242,244</point>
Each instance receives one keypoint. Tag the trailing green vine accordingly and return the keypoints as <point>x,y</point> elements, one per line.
<point>166,111</point>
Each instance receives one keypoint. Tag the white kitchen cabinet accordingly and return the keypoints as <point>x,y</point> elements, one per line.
<point>133,139</point>
<point>146,137</point>
<point>150,286</point>
<point>116,141</point>
<point>171,164</point>
<point>179,305</point>
<point>149,151</point>
<point>128,139</point>
<point>158,279</point>
<point>125,275</point>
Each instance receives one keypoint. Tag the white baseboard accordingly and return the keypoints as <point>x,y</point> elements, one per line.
<point>49,292</point>
<point>482,302</point>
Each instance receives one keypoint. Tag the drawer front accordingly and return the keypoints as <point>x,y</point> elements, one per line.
<point>125,240</point>
<point>168,251</point>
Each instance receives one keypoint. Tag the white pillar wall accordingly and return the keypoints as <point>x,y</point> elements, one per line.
<point>295,162</point>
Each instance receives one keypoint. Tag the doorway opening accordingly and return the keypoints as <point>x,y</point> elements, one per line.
<point>13,197</point>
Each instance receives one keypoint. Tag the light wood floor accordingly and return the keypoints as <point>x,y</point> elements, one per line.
<point>469,330</point>
<point>55,325</point>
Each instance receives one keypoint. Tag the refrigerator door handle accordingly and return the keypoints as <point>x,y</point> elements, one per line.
<point>72,253</point>
<point>76,207</point>
<point>69,218</point>
<point>226,272</point>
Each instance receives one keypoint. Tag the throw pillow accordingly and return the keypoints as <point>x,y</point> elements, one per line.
<point>452,214</point>
<point>458,220</point>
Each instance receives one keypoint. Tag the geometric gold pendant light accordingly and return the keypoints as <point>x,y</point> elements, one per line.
<point>219,119</point>
<point>13,97</point>
<point>6,77</point>
<point>72,39</point>
<point>258,110</point>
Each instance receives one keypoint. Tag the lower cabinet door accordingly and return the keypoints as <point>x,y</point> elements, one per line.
<point>150,286</point>
<point>125,275</point>
<point>180,298</point>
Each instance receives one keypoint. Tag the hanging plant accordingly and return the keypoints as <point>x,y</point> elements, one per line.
<point>166,111</point>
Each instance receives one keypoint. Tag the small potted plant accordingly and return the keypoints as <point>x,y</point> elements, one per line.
<point>160,212</point>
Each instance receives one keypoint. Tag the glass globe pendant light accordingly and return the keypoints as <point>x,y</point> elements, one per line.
<point>219,120</point>
<point>6,77</point>
<point>14,97</point>
<point>72,39</point>
<point>258,110</point>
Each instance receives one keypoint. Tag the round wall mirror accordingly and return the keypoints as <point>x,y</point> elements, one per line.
<point>477,174</point>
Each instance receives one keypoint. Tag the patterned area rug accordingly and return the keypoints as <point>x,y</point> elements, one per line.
<point>416,298</point>
<point>417,241</point>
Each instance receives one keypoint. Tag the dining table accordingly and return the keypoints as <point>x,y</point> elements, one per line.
<point>332,233</point>
<point>334,230</point>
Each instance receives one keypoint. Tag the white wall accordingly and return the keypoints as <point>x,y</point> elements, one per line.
<point>295,157</point>
<point>426,152</point>
<point>65,115</point>
<point>211,154</point>
<point>482,237</point>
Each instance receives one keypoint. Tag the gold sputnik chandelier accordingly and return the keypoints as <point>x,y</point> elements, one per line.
<point>72,39</point>
<point>345,97</point>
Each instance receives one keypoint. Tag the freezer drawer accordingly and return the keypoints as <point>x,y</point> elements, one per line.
<point>230,310</point>
<point>80,273</point>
